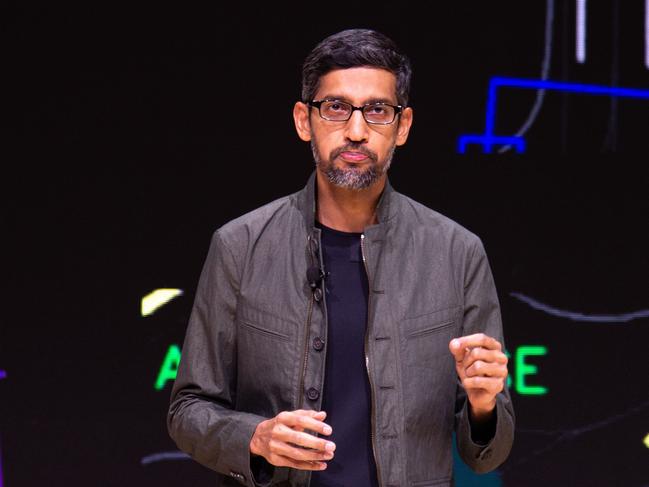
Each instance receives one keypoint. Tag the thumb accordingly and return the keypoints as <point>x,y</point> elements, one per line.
<point>455,346</point>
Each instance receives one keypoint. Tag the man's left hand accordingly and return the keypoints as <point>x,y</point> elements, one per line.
<point>482,368</point>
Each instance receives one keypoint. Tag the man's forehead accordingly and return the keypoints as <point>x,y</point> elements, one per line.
<point>358,85</point>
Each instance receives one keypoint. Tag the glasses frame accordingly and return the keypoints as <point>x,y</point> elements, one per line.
<point>318,103</point>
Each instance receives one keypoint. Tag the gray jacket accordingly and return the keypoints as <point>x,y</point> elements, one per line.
<point>250,349</point>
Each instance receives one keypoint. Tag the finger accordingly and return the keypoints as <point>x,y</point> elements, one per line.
<point>492,385</point>
<point>478,340</point>
<point>282,461</point>
<point>309,412</point>
<point>298,454</point>
<point>486,369</point>
<point>289,435</point>
<point>485,355</point>
<point>305,420</point>
<point>312,413</point>
<point>321,415</point>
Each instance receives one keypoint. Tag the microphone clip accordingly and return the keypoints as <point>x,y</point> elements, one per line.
<point>315,275</point>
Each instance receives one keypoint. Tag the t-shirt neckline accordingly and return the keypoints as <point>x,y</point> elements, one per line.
<point>318,224</point>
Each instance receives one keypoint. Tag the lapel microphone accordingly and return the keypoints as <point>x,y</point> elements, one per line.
<point>314,275</point>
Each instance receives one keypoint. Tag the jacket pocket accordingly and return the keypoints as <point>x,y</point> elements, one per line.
<point>264,331</point>
<point>263,323</point>
<point>265,361</point>
<point>428,371</point>
<point>431,329</point>
<point>430,323</point>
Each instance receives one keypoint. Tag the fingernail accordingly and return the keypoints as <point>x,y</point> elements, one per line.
<point>323,466</point>
<point>330,446</point>
<point>455,343</point>
<point>327,430</point>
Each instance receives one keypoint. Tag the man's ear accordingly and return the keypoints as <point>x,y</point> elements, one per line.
<point>405,122</point>
<point>302,122</point>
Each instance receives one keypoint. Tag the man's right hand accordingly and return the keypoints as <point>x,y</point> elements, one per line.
<point>283,442</point>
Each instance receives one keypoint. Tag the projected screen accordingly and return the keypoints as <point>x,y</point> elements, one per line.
<point>141,132</point>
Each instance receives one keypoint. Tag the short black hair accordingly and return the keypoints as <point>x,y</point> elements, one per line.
<point>355,48</point>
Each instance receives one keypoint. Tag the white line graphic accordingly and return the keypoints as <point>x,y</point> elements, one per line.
<point>578,316</point>
<point>164,456</point>
<point>646,33</point>
<point>545,72</point>
<point>580,32</point>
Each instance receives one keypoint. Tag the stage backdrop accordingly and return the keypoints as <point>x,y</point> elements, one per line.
<point>136,131</point>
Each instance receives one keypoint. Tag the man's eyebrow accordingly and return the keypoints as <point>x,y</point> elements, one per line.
<point>387,101</point>
<point>368,101</point>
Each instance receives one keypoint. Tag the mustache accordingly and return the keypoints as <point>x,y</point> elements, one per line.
<point>355,148</point>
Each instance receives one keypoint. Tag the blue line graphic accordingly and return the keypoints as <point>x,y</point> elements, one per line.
<point>3,375</point>
<point>488,140</point>
<point>163,456</point>
<point>576,316</point>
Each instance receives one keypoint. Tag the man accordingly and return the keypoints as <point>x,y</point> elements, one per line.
<point>340,335</point>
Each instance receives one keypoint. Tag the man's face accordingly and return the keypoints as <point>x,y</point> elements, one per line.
<point>354,154</point>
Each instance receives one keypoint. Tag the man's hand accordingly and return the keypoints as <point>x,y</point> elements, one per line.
<point>283,442</point>
<point>482,368</point>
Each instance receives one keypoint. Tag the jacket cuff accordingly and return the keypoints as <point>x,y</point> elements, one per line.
<point>262,471</point>
<point>486,454</point>
<point>239,460</point>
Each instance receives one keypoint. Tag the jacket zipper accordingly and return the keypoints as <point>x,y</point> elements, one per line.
<point>306,353</point>
<point>367,366</point>
<point>307,334</point>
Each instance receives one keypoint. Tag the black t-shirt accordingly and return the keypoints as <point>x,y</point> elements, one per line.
<point>346,394</point>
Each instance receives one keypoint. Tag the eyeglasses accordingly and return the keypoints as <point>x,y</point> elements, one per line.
<point>340,111</point>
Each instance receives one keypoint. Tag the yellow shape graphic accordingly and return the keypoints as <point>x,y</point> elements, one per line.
<point>646,440</point>
<point>158,298</point>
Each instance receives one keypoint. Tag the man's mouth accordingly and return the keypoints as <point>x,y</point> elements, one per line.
<point>353,156</point>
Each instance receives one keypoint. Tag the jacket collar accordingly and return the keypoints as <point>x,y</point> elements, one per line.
<point>307,200</point>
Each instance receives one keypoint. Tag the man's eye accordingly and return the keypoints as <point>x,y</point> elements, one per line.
<point>336,107</point>
<point>376,109</point>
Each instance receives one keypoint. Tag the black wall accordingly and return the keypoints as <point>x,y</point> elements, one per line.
<point>133,132</point>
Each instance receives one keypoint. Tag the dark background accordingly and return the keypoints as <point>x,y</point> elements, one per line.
<point>134,131</point>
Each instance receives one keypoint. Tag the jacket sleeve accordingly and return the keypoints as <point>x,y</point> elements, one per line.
<point>202,419</point>
<point>482,452</point>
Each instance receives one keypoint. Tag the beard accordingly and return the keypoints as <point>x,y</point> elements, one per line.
<point>351,176</point>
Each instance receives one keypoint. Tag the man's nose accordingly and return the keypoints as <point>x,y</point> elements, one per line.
<point>356,129</point>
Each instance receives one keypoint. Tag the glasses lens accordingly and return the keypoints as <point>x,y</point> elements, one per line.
<point>379,113</point>
<point>335,110</point>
